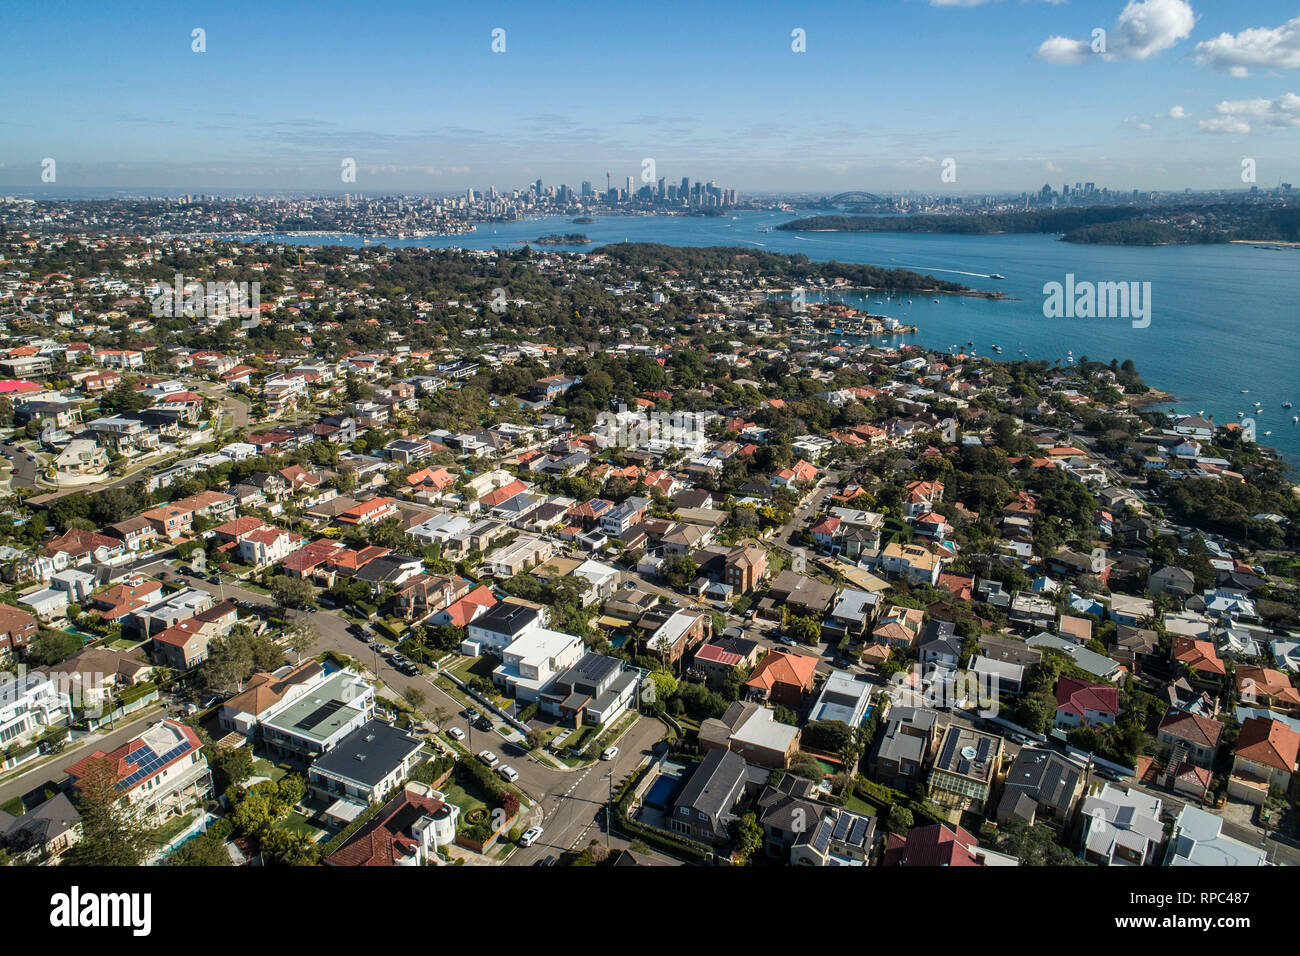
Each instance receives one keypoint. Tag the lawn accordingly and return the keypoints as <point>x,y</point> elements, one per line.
<point>468,667</point>
<point>855,803</point>
<point>580,737</point>
<point>164,834</point>
<point>297,823</point>
<point>458,795</point>
<point>264,768</point>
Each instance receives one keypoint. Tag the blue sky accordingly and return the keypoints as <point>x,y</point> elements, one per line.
<point>885,91</point>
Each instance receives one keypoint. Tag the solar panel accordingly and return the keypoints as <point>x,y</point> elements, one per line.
<point>319,715</point>
<point>150,762</point>
<point>822,838</point>
<point>842,822</point>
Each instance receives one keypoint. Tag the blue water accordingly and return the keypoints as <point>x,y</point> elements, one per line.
<point>1224,318</point>
<point>660,792</point>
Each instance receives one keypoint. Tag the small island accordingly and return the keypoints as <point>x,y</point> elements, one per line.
<point>568,239</point>
<point>582,221</point>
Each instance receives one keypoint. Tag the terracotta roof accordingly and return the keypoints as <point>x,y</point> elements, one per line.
<point>778,667</point>
<point>1076,696</point>
<point>1268,742</point>
<point>935,845</point>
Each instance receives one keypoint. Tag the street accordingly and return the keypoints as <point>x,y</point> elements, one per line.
<point>570,800</point>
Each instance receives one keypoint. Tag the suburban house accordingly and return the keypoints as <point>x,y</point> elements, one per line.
<point>364,768</point>
<point>1122,827</point>
<point>1041,787</point>
<point>406,832</point>
<point>965,769</point>
<point>503,624</point>
<point>705,808</point>
<point>304,727</point>
<point>595,690</point>
<point>899,627</point>
<point>1080,703</point>
<point>1188,738</point>
<point>531,662</point>
<point>939,845</point>
<point>1198,840</point>
<point>783,678</point>
<point>264,692</point>
<point>159,774</point>
<point>751,730</point>
<point>906,744</point>
<point>1264,759</point>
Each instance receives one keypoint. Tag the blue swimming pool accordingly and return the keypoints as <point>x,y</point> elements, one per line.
<point>660,793</point>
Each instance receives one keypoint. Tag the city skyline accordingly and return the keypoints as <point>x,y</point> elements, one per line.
<point>1177,94</point>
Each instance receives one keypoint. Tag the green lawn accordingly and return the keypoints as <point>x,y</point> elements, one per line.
<point>855,803</point>
<point>264,768</point>
<point>468,667</point>
<point>297,823</point>
<point>164,834</point>
<point>458,795</point>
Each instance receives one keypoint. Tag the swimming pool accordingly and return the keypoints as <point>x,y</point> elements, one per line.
<point>661,792</point>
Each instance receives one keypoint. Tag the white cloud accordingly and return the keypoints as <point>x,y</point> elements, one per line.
<point>1276,48</point>
<point>1064,51</point>
<point>1177,112</point>
<point>1143,29</point>
<point>1241,116</point>
<point>1225,124</point>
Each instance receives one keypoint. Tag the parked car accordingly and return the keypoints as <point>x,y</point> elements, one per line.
<point>609,753</point>
<point>488,757</point>
<point>508,773</point>
<point>455,733</point>
<point>531,836</point>
<point>483,723</point>
<point>469,713</point>
<point>549,861</point>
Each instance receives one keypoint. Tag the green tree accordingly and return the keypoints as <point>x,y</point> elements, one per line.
<point>110,836</point>
<point>291,593</point>
<point>749,837</point>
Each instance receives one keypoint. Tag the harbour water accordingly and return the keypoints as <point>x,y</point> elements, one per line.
<point>1223,317</point>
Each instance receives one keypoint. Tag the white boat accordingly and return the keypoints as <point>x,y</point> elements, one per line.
<point>1286,404</point>
<point>1245,391</point>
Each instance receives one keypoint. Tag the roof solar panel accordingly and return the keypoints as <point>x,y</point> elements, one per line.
<point>150,763</point>
<point>319,715</point>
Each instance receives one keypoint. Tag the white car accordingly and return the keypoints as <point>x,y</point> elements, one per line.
<point>488,757</point>
<point>609,753</point>
<point>508,773</point>
<point>530,836</point>
<point>455,733</point>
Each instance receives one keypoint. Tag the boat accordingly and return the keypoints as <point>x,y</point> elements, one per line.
<point>1245,391</point>
<point>1286,404</point>
<point>998,349</point>
<point>1241,414</point>
<point>936,301</point>
<point>1266,434</point>
<point>997,275</point>
<point>1294,419</point>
